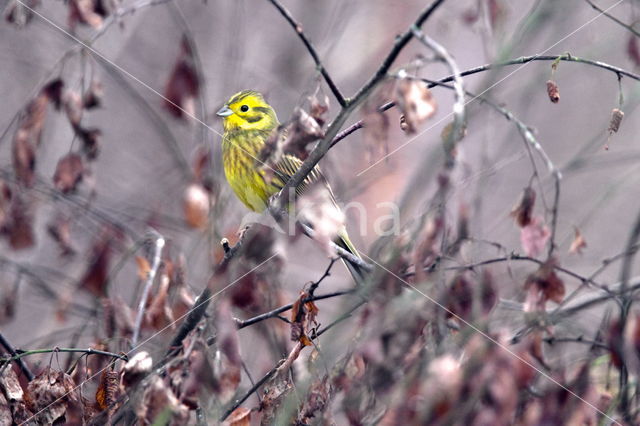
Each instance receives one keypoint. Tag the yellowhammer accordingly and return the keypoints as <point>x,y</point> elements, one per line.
<point>248,122</point>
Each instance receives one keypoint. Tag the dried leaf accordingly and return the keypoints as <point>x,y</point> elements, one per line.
<point>578,243</point>
<point>93,96</point>
<point>95,277</point>
<point>318,107</point>
<point>143,267</point>
<point>416,102</point>
<point>523,210</point>
<point>316,401</point>
<point>60,230</point>
<point>20,225</point>
<point>534,237</point>
<point>90,141</point>
<point>553,91</point>
<point>228,364</point>
<point>49,394</point>
<point>84,12</point>
<point>159,314</point>
<point>196,205</point>
<point>274,394</point>
<point>201,380</point>
<point>160,404</point>
<point>73,106</point>
<point>183,85</point>
<point>616,119</point>
<point>69,173</point>
<point>108,389</point>
<point>633,51</point>
<point>544,285</point>
<point>239,417</point>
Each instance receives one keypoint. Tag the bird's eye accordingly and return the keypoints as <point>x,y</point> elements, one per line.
<point>244,108</point>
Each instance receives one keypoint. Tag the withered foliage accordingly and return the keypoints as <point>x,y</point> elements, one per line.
<point>183,85</point>
<point>416,102</point>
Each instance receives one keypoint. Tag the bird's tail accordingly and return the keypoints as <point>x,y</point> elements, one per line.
<point>357,272</point>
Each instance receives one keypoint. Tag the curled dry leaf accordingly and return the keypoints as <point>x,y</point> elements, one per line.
<point>416,102</point>
<point>303,319</point>
<point>534,237</point>
<point>60,230</point>
<point>616,119</point>
<point>633,50</point>
<point>29,133</point>
<point>73,107</point>
<point>19,227</point>
<point>553,91</point>
<point>11,390</point>
<point>159,314</point>
<point>97,272</point>
<point>316,401</point>
<point>239,417</point>
<point>523,210</point>
<point>85,12</point>
<point>108,389</point>
<point>542,286</point>
<point>50,394</point>
<point>93,96</point>
<point>183,85</point>
<point>578,243</point>
<point>69,173</point>
<point>159,405</point>
<point>201,380</point>
<point>196,205</point>
<point>275,392</point>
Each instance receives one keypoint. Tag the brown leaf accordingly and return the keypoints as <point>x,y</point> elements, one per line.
<point>239,417</point>
<point>415,102</point>
<point>316,401</point>
<point>93,96</point>
<point>97,272</point>
<point>633,51</point>
<point>69,173</point>
<point>73,106</point>
<point>201,380</point>
<point>183,85</point>
<point>534,237</point>
<point>143,267</point>
<point>523,210</point>
<point>84,12</point>
<point>90,141</point>
<point>578,243</point>
<point>545,285</point>
<point>160,404</point>
<point>20,224</point>
<point>553,91</point>
<point>49,394</point>
<point>108,389</point>
<point>196,205</point>
<point>275,393</point>
<point>318,107</point>
<point>27,139</point>
<point>60,230</point>
<point>159,314</point>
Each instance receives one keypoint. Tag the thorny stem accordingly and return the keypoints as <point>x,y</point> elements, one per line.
<point>312,51</point>
<point>151,275</point>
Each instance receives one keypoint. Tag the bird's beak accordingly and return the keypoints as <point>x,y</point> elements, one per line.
<point>225,111</point>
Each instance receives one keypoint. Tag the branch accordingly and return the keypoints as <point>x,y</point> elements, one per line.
<point>274,313</point>
<point>346,255</point>
<point>151,275</point>
<point>482,68</point>
<point>323,145</point>
<point>312,51</point>
<point>16,357</point>
<point>87,352</point>
<point>613,18</point>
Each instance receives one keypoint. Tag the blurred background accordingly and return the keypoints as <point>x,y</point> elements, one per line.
<point>145,165</point>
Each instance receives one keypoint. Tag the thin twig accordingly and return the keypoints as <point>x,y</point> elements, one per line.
<point>613,18</point>
<point>312,51</point>
<point>16,357</point>
<point>88,351</point>
<point>274,313</point>
<point>346,255</point>
<point>321,148</point>
<point>151,275</point>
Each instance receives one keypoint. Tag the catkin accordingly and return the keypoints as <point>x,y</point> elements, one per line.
<point>553,91</point>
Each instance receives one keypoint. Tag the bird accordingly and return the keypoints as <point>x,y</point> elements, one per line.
<point>248,122</point>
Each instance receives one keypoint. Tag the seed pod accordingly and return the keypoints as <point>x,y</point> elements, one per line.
<point>553,92</point>
<point>616,119</point>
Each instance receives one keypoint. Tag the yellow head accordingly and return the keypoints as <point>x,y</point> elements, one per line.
<point>248,110</point>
